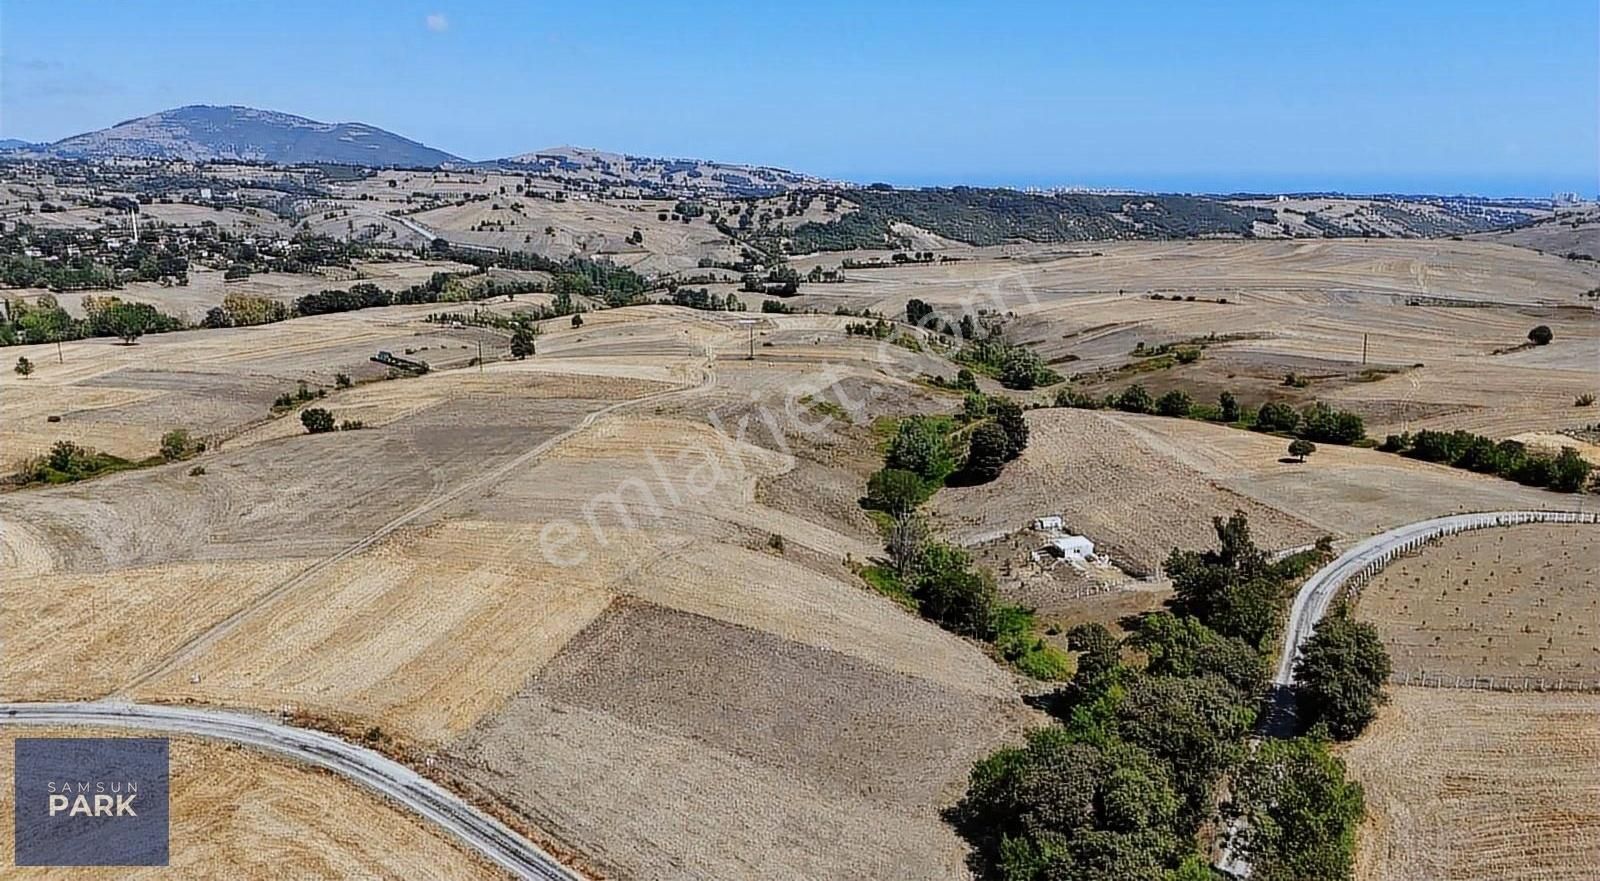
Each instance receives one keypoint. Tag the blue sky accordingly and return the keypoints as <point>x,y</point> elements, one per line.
<point>1417,96</point>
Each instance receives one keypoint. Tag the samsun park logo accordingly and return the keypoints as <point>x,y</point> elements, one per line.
<point>91,801</point>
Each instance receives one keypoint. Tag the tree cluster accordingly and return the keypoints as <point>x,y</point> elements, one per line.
<point>1120,786</point>
<point>1564,472</point>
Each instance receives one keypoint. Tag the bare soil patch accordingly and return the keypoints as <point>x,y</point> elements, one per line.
<point>710,749</point>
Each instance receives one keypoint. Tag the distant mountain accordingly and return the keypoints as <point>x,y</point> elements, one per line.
<point>202,132</point>
<point>9,144</point>
<point>674,176</point>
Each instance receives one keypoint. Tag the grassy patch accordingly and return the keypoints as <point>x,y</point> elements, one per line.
<point>883,580</point>
<point>825,407</point>
<point>69,463</point>
<point>1016,639</point>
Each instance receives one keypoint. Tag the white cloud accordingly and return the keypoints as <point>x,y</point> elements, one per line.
<point>438,23</point>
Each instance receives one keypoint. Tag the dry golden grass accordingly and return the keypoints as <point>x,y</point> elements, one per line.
<point>239,815</point>
<point>1464,786</point>
<point>1523,601</point>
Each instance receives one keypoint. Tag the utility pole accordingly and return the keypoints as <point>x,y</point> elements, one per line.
<point>1363,350</point>
<point>750,323</point>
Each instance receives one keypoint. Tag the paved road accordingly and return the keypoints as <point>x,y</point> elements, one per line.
<point>1356,566</point>
<point>370,769</point>
<point>1369,556</point>
<point>386,777</point>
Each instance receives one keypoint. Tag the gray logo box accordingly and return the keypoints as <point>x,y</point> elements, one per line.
<point>87,801</point>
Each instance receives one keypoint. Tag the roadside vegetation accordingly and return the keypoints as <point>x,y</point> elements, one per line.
<point>1125,784</point>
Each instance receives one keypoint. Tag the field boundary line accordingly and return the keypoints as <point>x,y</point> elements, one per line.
<point>198,643</point>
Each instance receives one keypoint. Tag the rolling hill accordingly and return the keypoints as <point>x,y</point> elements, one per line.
<point>207,133</point>
<point>657,175</point>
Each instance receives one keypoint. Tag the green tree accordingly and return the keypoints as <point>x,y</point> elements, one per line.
<point>987,452</point>
<point>1134,399</point>
<point>24,367</point>
<point>919,446</point>
<point>917,311</point>
<point>577,320</point>
<point>1183,646</point>
<point>522,342</point>
<point>895,491</point>
<point>949,592</point>
<point>1299,814</point>
<point>176,444</point>
<point>317,420</point>
<point>1571,471</point>
<point>1195,725</point>
<point>1099,655</point>
<point>1339,677</point>
<point>1008,415</point>
<point>1301,448</point>
<point>1320,422</point>
<point>1021,369</point>
<point>968,328</point>
<point>69,458</point>
<point>1174,403</point>
<point>1228,407</point>
<point>1541,335</point>
<point>1060,809</point>
<point>129,320</point>
<point>1277,416</point>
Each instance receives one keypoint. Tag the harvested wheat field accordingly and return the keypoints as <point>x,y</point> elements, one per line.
<point>239,814</point>
<point>1409,334</point>
<point>1464,786</point>
<point>655,729</point>
<point>1140,485</point>
<point>449,573</point>
<point>1134,503</point>
<point>1517,602</point>
<point>1343,491</point>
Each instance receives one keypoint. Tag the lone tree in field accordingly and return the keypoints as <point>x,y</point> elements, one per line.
<point>577,320</point>
<point>317,420</point>
<point>24,367</point>
<point>1302,448</point>
<point>1541,335</point>
<point>1340,675</point>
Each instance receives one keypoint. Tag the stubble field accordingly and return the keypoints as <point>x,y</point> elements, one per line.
<point>1464,785</point>
<point>1516,602</point>
<point>238,814</point>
